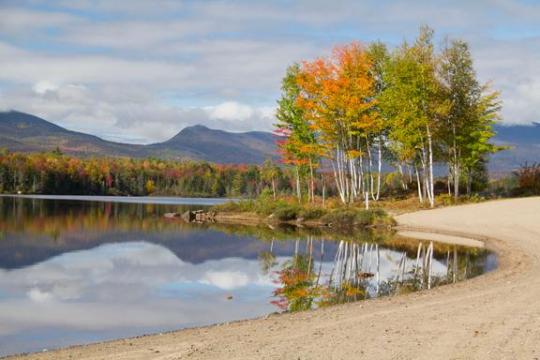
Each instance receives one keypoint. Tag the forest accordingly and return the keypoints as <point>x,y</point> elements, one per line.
<point>56,173</point>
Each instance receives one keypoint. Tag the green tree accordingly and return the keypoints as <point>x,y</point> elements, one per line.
<point>299,147</point>
<point>414,103</point>
<point>472,112</point>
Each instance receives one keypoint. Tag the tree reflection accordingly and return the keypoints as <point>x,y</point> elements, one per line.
<point>355,272</point>
<point>298,289</point>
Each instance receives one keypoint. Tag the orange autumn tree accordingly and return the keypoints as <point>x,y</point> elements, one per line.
<point>337,98</point>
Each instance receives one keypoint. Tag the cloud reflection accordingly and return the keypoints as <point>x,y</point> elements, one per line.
<point>121,285</point>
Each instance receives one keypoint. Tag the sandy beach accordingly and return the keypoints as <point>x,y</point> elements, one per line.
<point>494,316</point>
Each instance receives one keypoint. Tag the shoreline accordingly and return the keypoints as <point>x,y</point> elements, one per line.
<point>490,316</point>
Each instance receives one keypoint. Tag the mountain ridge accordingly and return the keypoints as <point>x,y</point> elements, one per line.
<point>28,133</point>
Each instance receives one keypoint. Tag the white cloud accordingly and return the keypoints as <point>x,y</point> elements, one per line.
<point>226,280</point>
<point>115,286</point>
<point>231,111</point>
<point>42,87</point>
<point>39,296</point>
<point>20,22</point>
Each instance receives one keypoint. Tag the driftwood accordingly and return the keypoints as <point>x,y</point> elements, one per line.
<point>171,215</point>
<point>197,216</point>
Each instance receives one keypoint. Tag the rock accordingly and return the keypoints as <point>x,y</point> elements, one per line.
<point>188,216</point>
<point>199,216</point>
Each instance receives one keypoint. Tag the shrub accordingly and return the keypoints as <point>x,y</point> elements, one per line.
<point>235,206</point>
<point>528,177</point>
<point>311,213</point>
<point>446,199</point>
<point>269,206</point>
<point>356,217</point>
<point>287,213</point>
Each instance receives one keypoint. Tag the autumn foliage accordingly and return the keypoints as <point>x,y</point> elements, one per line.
<point>413,107</point>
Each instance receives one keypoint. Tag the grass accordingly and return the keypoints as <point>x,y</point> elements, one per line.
<point>354,217</point>
<point>288,209</point>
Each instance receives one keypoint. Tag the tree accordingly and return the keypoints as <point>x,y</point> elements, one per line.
<point>269,173</point>
<point>337,99</point>
<point>378,55</point>
<point>472,112</point>
<point>299,146</point>
<point>414,104</point>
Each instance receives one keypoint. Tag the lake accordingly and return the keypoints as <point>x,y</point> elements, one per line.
<point>76,270</point>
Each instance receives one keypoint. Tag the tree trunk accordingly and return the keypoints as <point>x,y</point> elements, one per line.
<point>449,180</point>
<point>456,165</point>
<point>370,170</point>
<point>366,199</point>
<point>431,182</point>
<point>338,177</point>
<point>420,198</point>
<point>379,169</point>
<point>456,181</point>
<point>311,181</point>
<point>323,194</point>
<point>401,176</point>
<point>298,190</point>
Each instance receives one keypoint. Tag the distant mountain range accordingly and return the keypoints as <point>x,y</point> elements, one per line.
<point>524,143</point>
<point>27,133</point>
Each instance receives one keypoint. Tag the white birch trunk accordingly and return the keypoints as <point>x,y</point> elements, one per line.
<point>420,198</point>
<point>431,182</point>
<point>379,169</point>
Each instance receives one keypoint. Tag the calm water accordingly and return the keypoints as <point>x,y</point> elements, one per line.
<point>78,271</point>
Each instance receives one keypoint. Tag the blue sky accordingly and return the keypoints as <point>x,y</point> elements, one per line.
<point>139,71</point>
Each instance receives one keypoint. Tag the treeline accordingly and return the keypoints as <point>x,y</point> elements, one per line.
<point>55,173</point>
<point>414,107</point>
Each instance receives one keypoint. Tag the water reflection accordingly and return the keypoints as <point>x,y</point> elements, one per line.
<point>75,272</point>
<point>365,270</point>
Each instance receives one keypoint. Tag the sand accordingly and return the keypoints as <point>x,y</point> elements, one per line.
<point>493,316</point>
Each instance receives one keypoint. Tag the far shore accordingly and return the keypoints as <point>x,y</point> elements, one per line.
<point>159,200</point>
<point>493,316</point>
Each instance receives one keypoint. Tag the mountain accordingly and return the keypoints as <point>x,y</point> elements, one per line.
<point>28,133</point>
<point>200,142</point>
<point>524,143</point>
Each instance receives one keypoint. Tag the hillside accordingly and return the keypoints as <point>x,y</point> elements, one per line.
<point>203,143</point>
<point>524,143</point>
<point>27,133</point>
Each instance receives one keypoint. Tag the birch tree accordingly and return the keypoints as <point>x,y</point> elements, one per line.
<point>337,97</point>
<point>472,112</point>
<point>414,103</point>
<point>299,146</point>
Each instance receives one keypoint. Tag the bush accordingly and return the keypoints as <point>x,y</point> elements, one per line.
<point>268,206</point>
<point>528,177</point>
<point>287,213</point>
<point>235,206</point>
<point>446,199</point>
<point>356,217</point>
<point>312,213</point>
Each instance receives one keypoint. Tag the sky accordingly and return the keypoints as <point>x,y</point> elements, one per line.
<point>140,71</point>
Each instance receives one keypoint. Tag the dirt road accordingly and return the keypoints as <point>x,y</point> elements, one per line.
<point>494,316</point>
